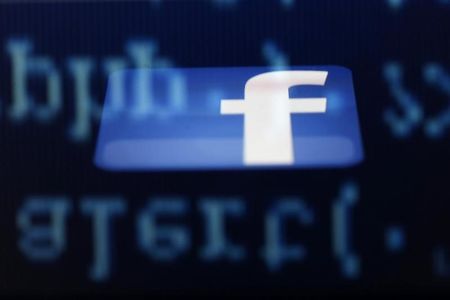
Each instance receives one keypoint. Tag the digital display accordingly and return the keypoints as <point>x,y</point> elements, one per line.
<point>225,147</point>
<point>142,130</point>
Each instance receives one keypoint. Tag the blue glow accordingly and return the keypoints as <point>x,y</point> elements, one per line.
<point>102,211</point>
<point>190,133</point>
<point>217,244</point>
<point>402,126</point>
<point>274,57</point>
<point>23,67</point>
<point>85,108</point>
<point>395,239</point>
<point>165,229</point>
<point>163,242</point>
<point>341,225</point>
<point>43,242</point>
<point>276,251</point>
<point>436,76</point>
<point>397,4</point>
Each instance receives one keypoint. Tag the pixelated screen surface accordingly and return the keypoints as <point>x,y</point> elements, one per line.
<point>67,225</point>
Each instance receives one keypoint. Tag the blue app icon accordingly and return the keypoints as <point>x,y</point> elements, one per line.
<point>229,118</point>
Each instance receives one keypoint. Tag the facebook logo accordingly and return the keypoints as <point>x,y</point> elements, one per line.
<point>229,118</point>
<point>268,138</point>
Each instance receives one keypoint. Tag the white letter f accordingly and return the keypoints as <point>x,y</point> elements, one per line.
<point>267,114</point>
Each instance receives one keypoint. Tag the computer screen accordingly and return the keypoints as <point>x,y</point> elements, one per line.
<point>227,147</point>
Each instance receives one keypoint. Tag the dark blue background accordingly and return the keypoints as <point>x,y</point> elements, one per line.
<point>401,181</point>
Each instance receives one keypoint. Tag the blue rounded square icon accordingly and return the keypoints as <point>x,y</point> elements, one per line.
<point>229,118</point>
